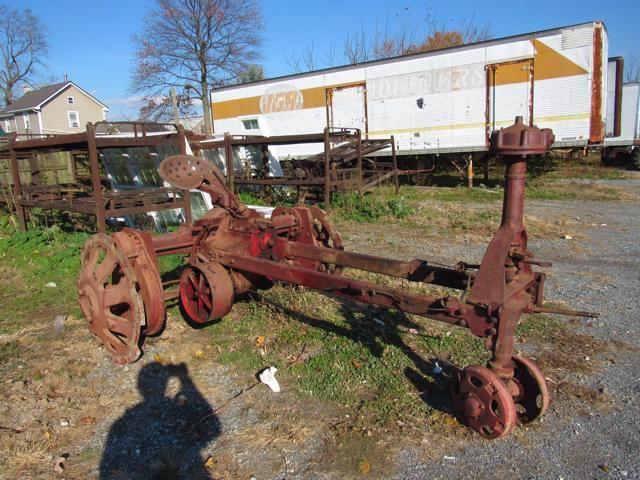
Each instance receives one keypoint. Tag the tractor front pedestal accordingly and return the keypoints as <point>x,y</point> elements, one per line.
<point>490,399</point>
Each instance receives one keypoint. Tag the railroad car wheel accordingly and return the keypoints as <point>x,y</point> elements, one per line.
<point>533,398</point>
<point>484,402</point>
<point>109,298</point>
<point>206,292</point>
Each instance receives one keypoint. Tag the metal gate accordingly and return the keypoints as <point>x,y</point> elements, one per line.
<point>347,107</point>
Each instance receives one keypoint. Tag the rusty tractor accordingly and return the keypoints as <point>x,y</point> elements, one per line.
<point>233,249</point>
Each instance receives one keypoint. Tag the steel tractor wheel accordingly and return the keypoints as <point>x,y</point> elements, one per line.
<point>109,298</point>
<point>532,399</point>
<point>206,292</point>
<point>484,402</point>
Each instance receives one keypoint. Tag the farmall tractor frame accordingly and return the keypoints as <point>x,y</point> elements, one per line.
<point>233,249</point>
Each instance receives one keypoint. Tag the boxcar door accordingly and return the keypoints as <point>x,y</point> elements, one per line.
<point>509,93</point>
<point>347,107</point>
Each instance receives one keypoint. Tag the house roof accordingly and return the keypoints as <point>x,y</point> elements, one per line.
<point>34,99</point>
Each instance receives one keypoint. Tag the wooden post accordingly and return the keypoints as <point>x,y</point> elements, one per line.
<point>186,195</point>
<point>470,172</point>
<point>34,167</point>
<point>395,164</point>
<point>327,173</point>
<point>485,166</point>
<point>360,183</point>
<point>17,188</point>
<point>228,158</point>
<point>264,156</point>
<point>94,165</point>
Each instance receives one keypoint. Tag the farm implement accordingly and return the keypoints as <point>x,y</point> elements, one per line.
<point>233,249</point>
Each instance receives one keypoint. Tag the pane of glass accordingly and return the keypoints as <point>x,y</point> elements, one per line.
<point>198,205</point>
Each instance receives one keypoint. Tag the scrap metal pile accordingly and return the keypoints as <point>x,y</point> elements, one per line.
<point>233,249</point>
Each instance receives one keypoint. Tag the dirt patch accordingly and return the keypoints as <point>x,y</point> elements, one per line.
<point>355,454</point>
<point>561,350</point>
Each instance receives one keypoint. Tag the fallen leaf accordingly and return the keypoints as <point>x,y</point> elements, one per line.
<point>356,363</point>
<point>604,467</point>
<point>160,359</point>
<point>200,355</point>
<point>210,462</point>
<point>364,467</point>
<point>260,341</point>
<point>88,420</point>
<point>450,421</point>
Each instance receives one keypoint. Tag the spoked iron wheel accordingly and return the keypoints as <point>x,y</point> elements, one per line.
<point>484,402</point>
<point>206,292</point>
<point>138,247</point>
<point>533,397</point>
<point>109,298</point>
<point>326,235</point>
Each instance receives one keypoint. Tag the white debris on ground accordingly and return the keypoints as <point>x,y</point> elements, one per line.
<point>268,377</point>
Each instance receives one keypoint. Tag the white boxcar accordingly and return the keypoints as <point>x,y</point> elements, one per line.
<point>442,101</point>
<point>629,119</point>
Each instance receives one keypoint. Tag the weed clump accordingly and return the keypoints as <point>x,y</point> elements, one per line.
<point>351,207</point>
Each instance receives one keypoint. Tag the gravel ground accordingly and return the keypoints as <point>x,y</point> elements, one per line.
<point>601,273</point>
<point>119,423</point>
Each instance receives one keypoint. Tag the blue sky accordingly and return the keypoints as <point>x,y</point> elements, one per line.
<point>90,40</point>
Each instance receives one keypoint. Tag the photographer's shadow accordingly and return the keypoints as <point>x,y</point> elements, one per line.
<point>162,436</point>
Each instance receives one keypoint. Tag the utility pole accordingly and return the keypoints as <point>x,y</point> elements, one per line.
<point>174,102</point>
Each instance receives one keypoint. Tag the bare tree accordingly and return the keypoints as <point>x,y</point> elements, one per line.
<point>400,37</point>
<point>23,46</point>
<point>441,34</point>
<point>356,47</point>
<point>309,57</point>
<point>329,57</point>
<point>160,108</point>
<point>632,67</point>
<point>194,45</point>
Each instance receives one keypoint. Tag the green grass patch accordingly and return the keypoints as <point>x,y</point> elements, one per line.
<point>34,259</point>
<point>572,191</point>
<point>369,208</point>
<point>335,351</point>
<point>414,194</point>
<point>250,198</point>
<point>540,328</point>
<point>31,260</point>
<point>9,350</point>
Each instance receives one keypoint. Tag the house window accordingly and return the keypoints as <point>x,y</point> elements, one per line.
<point>250,124</point>
<point>70,100</point>
<point>27,122</point>
<point>74,119</point>
<point>7,126</point>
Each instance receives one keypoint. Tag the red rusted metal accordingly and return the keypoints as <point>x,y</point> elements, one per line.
<point>533,398</point>
<point>232,249</point>
<point>206,292</point>
<point>596,131</point>
<point>485,402</point>
<point>108,297</point>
